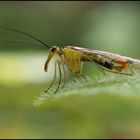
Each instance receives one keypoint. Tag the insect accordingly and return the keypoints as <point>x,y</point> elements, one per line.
<point>73,57</point>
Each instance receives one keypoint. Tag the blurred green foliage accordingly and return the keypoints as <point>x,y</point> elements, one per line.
<point>105,107</point>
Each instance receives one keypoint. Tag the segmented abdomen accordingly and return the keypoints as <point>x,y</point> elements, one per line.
<point>99,60</point>
<point>104,62</point>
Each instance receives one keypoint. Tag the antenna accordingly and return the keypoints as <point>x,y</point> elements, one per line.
<point>24,33</point>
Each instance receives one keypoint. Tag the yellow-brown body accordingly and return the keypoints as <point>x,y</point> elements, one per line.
<point>73,57</point>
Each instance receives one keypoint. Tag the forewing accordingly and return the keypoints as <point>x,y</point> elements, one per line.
<point>108,55</point>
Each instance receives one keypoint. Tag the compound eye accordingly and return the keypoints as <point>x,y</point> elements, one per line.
<point>53,49</point>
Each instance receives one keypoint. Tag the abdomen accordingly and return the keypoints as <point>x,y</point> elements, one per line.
<point>99,60</point>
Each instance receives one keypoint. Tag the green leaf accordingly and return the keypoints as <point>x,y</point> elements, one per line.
<point>115,84</point>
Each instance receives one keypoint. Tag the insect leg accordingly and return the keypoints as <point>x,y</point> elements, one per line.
<point>112,71</point>
<point>60,73</point>
<point>118,72</point>
<point>65,77</point>
<point>102,69</point>
<point>52,81</point>
<point>98,66</point>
